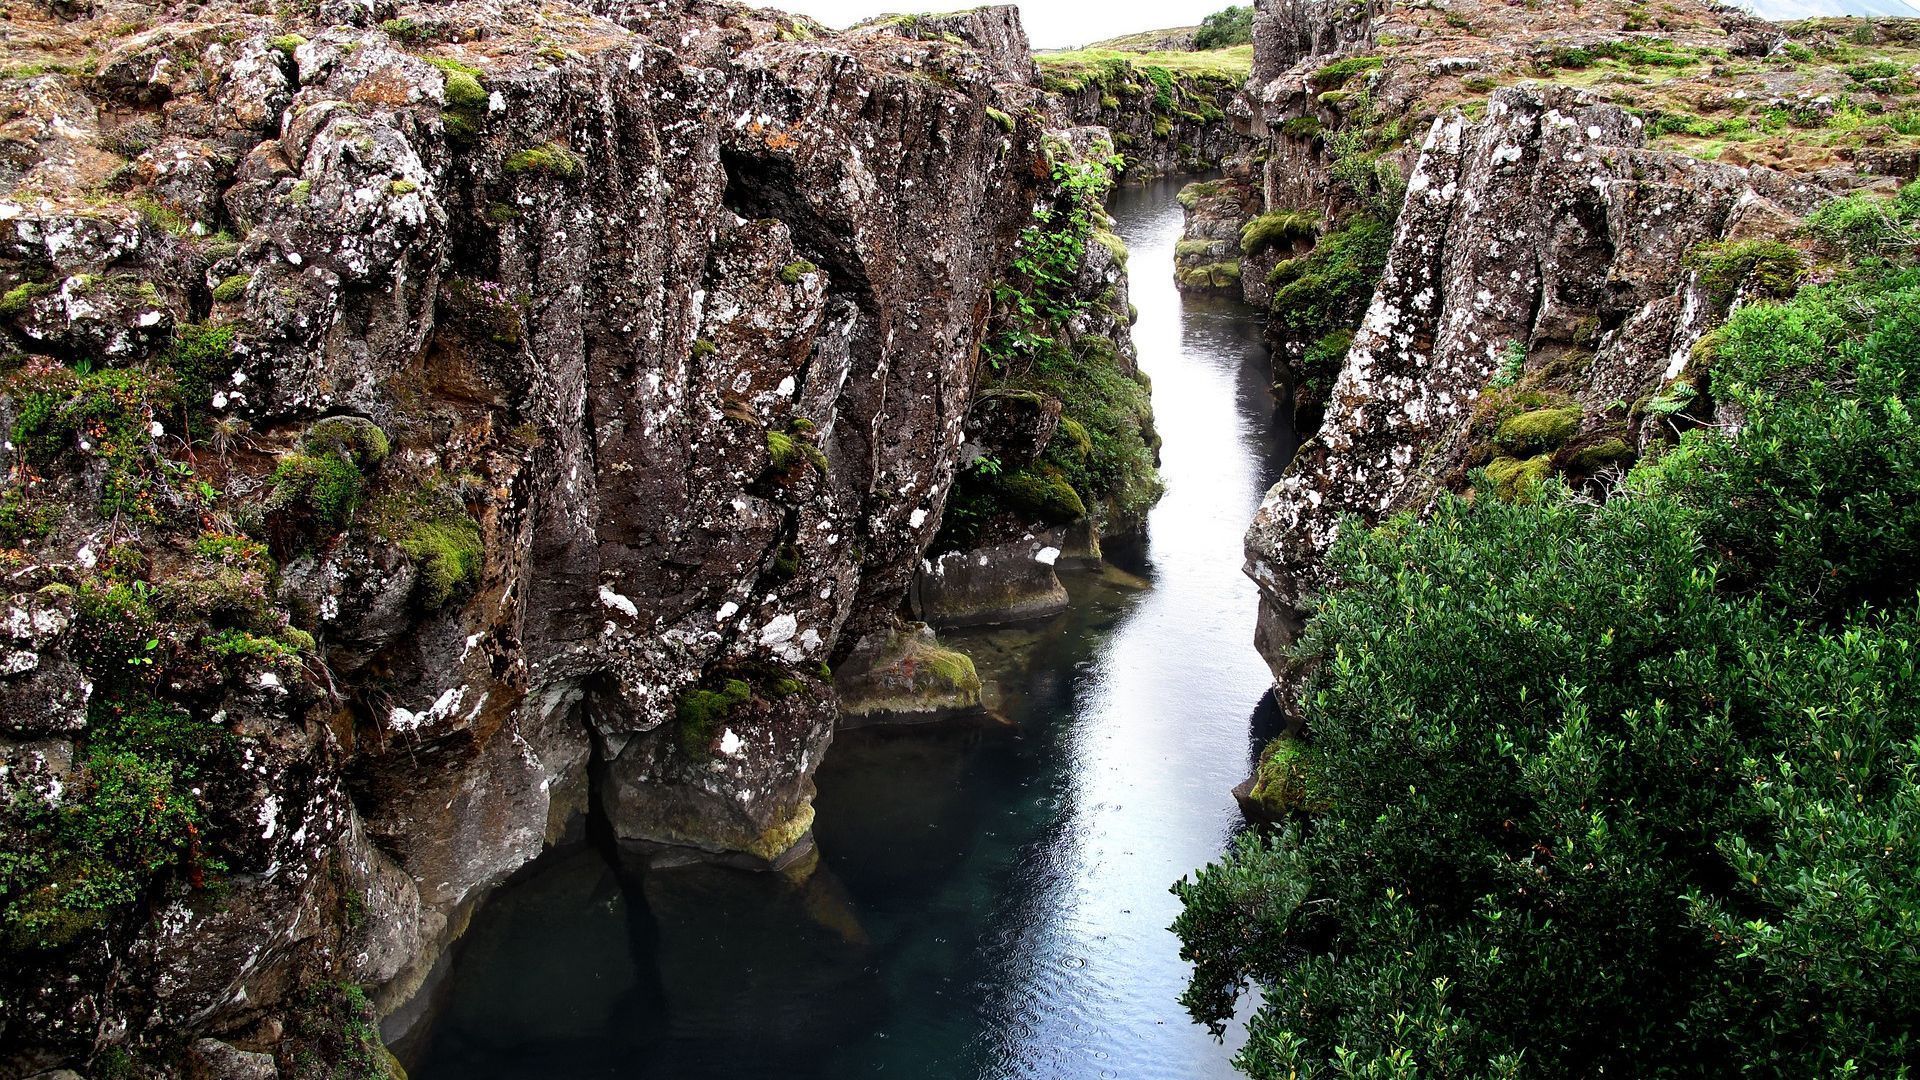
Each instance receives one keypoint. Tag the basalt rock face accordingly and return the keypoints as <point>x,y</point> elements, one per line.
<point>657,326</point>
<point>1554,245</point>
<point>1192,126</point>
<point>1543,237</point>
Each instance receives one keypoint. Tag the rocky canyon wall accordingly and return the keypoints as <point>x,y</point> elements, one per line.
<point>425,419</point>
<point>1496,242</point>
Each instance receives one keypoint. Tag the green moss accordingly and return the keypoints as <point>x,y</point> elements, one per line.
<point>1302,127</point>
<point>1278,228</point>
<point>286,43</point>
<point>551,159</point>
<point>466,96</point>
<point>1537,430</point>
<point>326,489</point>
<point>301,191</point>
<point>1769,268</point>
<point>787,450</point>
<point>780,837</point>
<point>355,438</point>
<point>1591,459</point>
<point>105,415</point>
<point>1283,781</point>
<point>1334,75</point>
<point>1191,195</point>
<point>1219,275</point>
<point>1516,480</point>
<point>1045,496</point>
<point>161,216</point>
<point>1001,118</point>
<point>1328,288</point>
<point>792,272</point>
<point>953,669</point>
<point>231,288</point>
<point>17,299</point>
<point>1162,127</point>
<point>431,526</point>
<point>700,714</point>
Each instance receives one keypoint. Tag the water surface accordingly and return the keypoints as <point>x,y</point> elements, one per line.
<point>990,903</point>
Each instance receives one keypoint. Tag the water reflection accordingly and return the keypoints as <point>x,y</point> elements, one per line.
<point>990,902</point>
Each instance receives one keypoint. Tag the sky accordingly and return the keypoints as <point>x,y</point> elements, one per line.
<point>1063,24</point>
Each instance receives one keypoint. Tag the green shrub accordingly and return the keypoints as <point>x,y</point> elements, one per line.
<point>1224,28</point>
<point>1863,226</point>
<point>1627,788</point>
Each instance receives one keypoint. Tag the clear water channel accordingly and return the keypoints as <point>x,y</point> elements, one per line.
<point>991,901</point>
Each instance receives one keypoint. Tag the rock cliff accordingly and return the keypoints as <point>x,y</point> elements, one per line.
<point>425,420</point>
<point>1522,224</point>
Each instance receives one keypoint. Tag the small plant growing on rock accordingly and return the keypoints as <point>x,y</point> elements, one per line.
<point>551,159</point>
<point>432,527</point>
<point>699,715</point>
<point>1278,228</point>
<point>466,96</point>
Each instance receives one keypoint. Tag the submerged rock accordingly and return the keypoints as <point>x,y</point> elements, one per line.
<point>903,675</point>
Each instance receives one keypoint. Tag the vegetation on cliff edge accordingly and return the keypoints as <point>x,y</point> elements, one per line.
<point>1629,788</point>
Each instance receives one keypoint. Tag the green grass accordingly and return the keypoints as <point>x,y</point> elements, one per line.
<point>1095,66</point>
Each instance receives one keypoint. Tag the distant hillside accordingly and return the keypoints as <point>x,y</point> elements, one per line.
<point>1803,9</point>
<point>1173,39</point>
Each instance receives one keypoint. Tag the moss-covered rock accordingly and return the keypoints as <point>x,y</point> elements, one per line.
<point>1537,430</point>
<point>1283,781</point>
<point>904,675</point>
<point>1224,275</point>
<point>1516,479</point>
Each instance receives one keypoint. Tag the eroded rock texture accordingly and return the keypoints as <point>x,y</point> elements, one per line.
<point>1545,233</point>
<point>591,373</point>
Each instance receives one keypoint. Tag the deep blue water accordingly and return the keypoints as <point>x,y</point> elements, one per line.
<point>989,902</point>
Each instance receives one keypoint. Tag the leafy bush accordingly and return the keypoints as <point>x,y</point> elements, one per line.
<point>1228,26</point>
<point>1618,789</point>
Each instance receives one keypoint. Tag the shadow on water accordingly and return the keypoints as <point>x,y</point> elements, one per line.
<point>989,902</point>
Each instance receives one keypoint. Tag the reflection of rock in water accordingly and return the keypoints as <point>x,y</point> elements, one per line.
<point>550,981</point>
<point>744,961</point>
